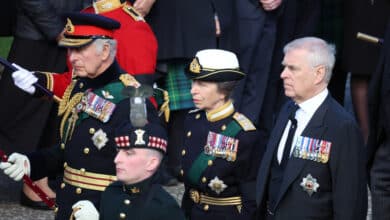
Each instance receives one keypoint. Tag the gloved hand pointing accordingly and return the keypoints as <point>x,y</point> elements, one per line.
<point>16,167</point>
<point>24,79</point>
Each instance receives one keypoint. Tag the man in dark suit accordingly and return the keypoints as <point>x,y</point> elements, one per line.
<point>322,175</point>
<point>378,144</point>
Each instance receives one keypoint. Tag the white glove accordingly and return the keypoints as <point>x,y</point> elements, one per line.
<point>24,79</point>
<point>16,167</point>
<point>85,211</point>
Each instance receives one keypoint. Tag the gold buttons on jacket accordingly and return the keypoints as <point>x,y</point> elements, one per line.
<point>86,150</point>
<point>62,146</point>
<point>189,134</point>
<point>65,164</point>
<point>197,116</point>
<point>122,215</point>
<point>204,180</point>
<point>79,191</point>
<point>126,202</point>
<point>62,185</point>
<point>182,172</point>
<point>92,130</point>
<point>223,127</point>
<point>210,162</point>
<point>81,85</point>
<point>183,152</point>
<point>82,170</point>
<point>206,207</point>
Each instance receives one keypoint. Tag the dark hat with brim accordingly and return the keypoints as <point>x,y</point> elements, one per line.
<point>151,136</point>
<point>214,65</point>
<point>82,29</point>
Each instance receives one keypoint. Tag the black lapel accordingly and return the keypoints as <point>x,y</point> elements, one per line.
<point>273,143</point>
<point>315,128</point>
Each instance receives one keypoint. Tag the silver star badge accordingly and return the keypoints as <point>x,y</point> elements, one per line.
<point>309,184</point>
<point>99,139</point>
<point>217,185</point>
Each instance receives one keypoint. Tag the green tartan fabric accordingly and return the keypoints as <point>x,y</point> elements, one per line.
<point>178,86</point>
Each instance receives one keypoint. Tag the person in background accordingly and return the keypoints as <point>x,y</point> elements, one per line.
<point>378,144</point>
<point>314,165</point>
<point>135,194</point>
<point>359,57</point>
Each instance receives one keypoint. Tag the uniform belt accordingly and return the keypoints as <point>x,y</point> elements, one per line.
<point>208,200</point>
<point>87,180</point>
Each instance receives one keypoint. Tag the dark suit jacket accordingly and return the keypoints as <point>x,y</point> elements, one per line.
<point>184,27</point>
<point>342,181</point>
<point>378,101</point>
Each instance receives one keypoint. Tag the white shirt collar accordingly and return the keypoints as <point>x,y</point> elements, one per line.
<point>311,105</point>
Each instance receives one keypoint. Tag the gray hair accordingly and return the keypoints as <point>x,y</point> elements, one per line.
<point>226,88</point>
<point>101,42</point>
<point>320,52</point>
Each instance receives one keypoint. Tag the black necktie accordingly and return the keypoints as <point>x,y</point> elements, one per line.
<point>290,137</point>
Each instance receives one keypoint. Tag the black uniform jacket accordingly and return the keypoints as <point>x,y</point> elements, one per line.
<point>238,175</point>
<point>80,152</point>
<point>341,193</point>
<point>141,201</point>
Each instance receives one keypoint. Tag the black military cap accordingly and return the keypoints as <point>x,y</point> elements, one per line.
<point>215,65</point>
<point>83,28</point>
<point>151,136</point>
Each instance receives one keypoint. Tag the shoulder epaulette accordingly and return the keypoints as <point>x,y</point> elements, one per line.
<point>193,111</point>
<point>244,122</point>
<point>127,79</point>
<point>132,12</point>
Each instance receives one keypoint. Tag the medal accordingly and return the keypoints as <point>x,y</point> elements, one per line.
<point>217,185</point>
<point>309,184</point>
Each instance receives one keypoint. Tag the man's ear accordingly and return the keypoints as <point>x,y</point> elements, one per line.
<point>320,74</point>
<point>153,164</point>
<point>106,51</point>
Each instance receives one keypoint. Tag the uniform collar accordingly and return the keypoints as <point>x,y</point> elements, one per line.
<point>110,74</point>
<point>138,188</point>
<point>221,112</point>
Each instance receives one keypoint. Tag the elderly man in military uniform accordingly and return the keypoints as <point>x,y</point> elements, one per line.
<point>135,195</point>
<point>92,106</point>
<point>218,155</point>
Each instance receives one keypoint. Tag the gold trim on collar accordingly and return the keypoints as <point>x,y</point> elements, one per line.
<point>221,112</point>
<point>103,6</point>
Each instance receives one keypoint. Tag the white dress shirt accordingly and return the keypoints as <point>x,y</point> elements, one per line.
<point>303,115</point>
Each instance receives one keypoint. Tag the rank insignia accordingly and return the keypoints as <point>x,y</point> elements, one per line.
<point>309,184</point>
<point>99,139</point>
<point>222,146</point>
<point>312,149</point>
<point>217,185</point>
<point>134,190</point>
